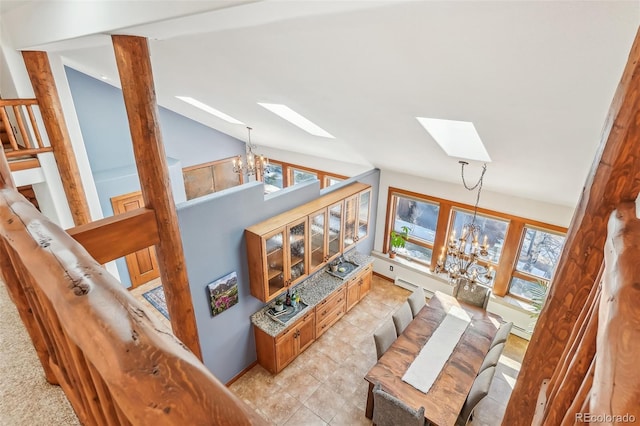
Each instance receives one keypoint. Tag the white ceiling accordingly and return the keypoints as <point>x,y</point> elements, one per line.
<point>536,78</point>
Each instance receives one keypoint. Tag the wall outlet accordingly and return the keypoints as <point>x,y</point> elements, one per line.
<point>391,268</point>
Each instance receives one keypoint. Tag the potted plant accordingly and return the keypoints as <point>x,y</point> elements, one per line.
<point>398,240</point>
<point>279,306</point>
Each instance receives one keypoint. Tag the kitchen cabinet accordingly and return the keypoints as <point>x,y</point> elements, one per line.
<point>358,287</point>
<point>357,210</point>
<point>281,261</point>
<point>275,353</point>
<point>287,248</point>
<point>325,235</point>
<point>330,310</point>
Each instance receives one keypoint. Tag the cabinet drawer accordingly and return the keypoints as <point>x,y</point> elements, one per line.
<point>326,307</point>
<point>330,319</point>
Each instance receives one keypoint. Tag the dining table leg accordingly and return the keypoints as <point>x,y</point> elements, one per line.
<point>368,412</point>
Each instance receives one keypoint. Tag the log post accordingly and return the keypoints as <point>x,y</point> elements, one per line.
<point>610,181</point>
<point>616,383</point>
<point>44,87</point>
<point>136,78</point>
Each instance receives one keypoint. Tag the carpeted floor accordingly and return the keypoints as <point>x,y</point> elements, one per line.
<point>25,396</point>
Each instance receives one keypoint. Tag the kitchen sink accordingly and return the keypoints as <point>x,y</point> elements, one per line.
<point>344,268</point>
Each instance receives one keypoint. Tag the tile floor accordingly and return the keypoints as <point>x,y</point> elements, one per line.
<point>325,385</point>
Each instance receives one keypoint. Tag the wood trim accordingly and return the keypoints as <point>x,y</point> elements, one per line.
<point>609,183</point>
<point>116,236</point>
<point>384,277</point>
<point>136,77</point>
<point>444,219</point>
<point>30,163</point>
<point>44,87</point>
<point>29,151</point>
<point>508,258</point>
<point>242,373</point>
<point>488,212</point>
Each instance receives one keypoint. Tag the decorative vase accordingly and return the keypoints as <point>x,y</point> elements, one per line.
<point>392,254</point>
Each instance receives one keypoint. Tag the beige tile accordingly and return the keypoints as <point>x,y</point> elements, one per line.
<point>325,402</point>
<point>348,415</point>
<point>326,382</point>
<point>279,407</point>
<point>305,417</point>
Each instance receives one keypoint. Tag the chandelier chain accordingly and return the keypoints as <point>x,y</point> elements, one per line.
<point>471,188</point>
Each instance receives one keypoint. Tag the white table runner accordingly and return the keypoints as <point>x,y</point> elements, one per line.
<point>424,370</point>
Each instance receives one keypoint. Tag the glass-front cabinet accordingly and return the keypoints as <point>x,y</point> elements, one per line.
<point>287,248</point>
<point>326,231</point>
<point>274,249</point>
<point>297,245</point>
<point>356,218</point>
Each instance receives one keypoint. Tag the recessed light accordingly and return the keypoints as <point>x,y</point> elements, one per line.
<point>295,118</point>
<point>196,103</point>
<point>456,138</point>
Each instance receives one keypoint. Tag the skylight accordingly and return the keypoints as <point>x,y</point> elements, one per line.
<point>456,138</point>
<point>196,103</point>
<point>294,118</point>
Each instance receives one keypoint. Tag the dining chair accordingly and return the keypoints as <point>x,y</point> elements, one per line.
<point>416,301</point>
<point>390,411</point>
<point>479,390</point>
<point>493,357</point>
<point>402,317</point>
<point>503,334</point>
<point>384,336</point>
<point>473,294</point>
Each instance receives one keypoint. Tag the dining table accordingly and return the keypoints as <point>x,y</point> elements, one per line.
<point>461,361</point>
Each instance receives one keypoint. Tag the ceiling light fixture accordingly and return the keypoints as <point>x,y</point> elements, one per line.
<point>293,117</point>
<point>456,138</point>
<point>459,257</point>
<point>255,164</point>
<point>196,103</point>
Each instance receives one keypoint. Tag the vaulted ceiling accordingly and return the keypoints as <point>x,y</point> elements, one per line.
<point>536,78</point>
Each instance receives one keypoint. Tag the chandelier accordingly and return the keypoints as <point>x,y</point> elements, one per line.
<point>459,257</point>
<point>254,165</point>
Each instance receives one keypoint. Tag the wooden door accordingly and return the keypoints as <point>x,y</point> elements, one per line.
<point>366,280</point>
<point>143,264</point>
<point>353,293</point>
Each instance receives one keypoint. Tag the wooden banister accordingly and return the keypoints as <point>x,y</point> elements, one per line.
<point>115,362</point>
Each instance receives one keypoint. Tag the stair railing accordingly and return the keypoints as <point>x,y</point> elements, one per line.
<point>20,119</point>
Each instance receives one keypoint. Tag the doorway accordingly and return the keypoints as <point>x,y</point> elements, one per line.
<point>143,264</point>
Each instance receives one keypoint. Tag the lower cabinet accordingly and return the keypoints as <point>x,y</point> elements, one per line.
<point>275,353</point>
<point>359,286</point>
<point>330,310</point>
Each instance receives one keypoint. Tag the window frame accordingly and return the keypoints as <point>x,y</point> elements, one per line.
<point>287,174</point>
<point>419,242</point>
<point>505,268</point>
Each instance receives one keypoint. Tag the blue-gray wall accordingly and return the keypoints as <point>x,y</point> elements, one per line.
<point>105,130</point>
<point>212,229</point>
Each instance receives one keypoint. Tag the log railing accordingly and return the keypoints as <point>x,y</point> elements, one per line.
<point>116,364</point>
<point>28,140</point>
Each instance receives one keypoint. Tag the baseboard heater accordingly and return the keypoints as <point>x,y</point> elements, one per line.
<point>401,282</point>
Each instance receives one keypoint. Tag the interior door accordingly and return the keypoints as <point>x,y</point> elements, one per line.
<point>143,264</point>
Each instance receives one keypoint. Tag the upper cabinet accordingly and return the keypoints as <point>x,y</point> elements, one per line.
<point>289,247</point>
<point>326,235</point>
<point>356,218</point>
<point>284,253</point>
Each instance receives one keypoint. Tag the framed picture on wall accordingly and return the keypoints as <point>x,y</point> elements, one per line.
<point>223,293</point>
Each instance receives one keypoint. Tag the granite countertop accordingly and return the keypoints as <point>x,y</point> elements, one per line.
<point>312,291</point>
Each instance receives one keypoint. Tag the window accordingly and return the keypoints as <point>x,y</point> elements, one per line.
<point>421,217</point>
<point>492,228</point>
<point>331,180</point>
<point>537,259</point>
<point>273,175</point>
<point>299,176</point>
<point>522,253</point>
